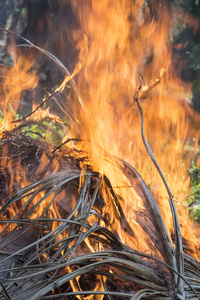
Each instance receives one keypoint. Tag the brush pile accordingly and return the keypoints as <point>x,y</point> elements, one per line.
<point>62,219</point>
<point>51,248</point>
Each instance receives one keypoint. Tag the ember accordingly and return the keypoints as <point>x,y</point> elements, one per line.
<point>77,218</point>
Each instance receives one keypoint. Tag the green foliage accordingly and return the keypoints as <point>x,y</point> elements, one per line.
<point>48,130</point>
<point>194,199</point>
<point>51,131</point>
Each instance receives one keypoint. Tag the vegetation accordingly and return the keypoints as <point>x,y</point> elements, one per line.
<point>194,199</point>
<point>73,252</point>
<point>189,36</point>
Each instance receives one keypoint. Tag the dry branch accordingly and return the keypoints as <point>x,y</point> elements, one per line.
<point>152,277</point>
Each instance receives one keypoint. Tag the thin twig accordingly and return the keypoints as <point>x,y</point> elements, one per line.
<point>177,232</point>
<point>5,291</point>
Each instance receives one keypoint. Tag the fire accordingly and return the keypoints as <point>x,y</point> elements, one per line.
<point>123,52</point>
<point>15,80</point>
<point>124,45</point>
<point>113,62</point>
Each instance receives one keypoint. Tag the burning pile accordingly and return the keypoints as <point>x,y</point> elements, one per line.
<point>77,220</point>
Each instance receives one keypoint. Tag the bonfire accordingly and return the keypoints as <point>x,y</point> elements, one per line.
<point>94,199</point>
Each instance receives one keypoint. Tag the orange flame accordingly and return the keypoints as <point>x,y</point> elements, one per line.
<point>124,45</point>
<point>15,80</point>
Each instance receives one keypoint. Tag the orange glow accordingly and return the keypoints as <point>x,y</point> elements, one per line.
<point>124,45</point>
<point>122,51</point>
<point>15,80</point>
<point>42,114</point>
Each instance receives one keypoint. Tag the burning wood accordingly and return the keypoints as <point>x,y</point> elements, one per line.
<point>77,220</point>
<point>72,239</point>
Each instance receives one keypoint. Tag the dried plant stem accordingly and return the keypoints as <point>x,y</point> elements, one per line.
<point>177,232</point>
